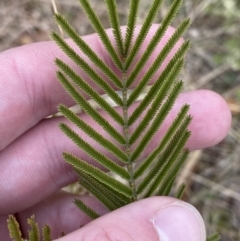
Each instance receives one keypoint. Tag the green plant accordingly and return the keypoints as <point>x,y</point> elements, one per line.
<point>157,172</point>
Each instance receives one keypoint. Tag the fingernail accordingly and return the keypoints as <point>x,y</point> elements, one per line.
<point>179,221</point>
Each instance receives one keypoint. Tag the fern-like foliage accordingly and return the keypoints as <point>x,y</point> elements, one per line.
<point>157,172</point>
<point>14,229</point>
<point>162,165</point>
<point>33,232</point>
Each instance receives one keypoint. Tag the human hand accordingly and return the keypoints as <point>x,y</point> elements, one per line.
<point>32,170</point>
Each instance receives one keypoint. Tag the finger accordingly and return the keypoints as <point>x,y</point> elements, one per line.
<point>32,91</point>
<point>57,211</point>
<point>60,213</point>
<point>32,167</point>
<point>164,217</point>
<point>3,228</point>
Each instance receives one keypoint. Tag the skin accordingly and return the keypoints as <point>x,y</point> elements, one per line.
<point>31,163</point>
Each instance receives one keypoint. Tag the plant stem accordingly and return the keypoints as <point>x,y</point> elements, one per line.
<point>126,135</point>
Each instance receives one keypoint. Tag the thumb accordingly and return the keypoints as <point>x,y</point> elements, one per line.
<point>156,218</point>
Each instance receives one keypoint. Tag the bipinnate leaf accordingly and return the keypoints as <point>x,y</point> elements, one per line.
<point>89,109</point>
<point>118,197</point>
<point>101,32</point>
<point>14,229</point>
<point>167,188</point>
<point>86,49</point>
<point>171,67</point>
<point>34,234</point>
<point>169,164</point>
<point>131,23</point>
<point>91,151</point>
<point>46,233</point>
<point>93,134</point>
<point>114,20</point>
<point>180,191</point>
<point>98,174</point>
<point>102,192</point>
<point>143,32</point>
<point>177,141</point>
<point>90,91</point>
<point>158,61</point>
<point>172,174</point>
<point>86,68</point>
<point>160,117</point>
<point>84,208</point>
<point>157,102</point>
<point>155,40</point>
<point>161,167</point>
<point>179,124</point>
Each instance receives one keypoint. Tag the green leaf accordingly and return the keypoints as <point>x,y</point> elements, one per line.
<point>173,172</point>
<point>98,174</point>
<point>91,151</point>
<point>90,91</point>
<point>120,197</point>
<point>101,192</point>
<point>14,229</point>
<point>152,174</point>
<point>171,67</point>
<point>157,121</point>
<point>169,164</point>
<point>167,189</point>
<point>160,96</point>
<point>114,20</point>
<point>101,32</point>
<point>87,69</point>
<point>143,32</point>
<point>89,109</point>
<point>87,210</point>
<point>93,134</point>
<point>181,191</point>
<point>180,123</point>
<point>86,49</point>
<point>169,154</point>
<point>34,234</point>
<point>155,66</point>
<point>131,24</point>
<point>164,158</point>
<point>156,39</point>
<point>47,233</point>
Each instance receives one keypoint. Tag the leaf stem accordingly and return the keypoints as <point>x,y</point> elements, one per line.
<point>126,134</point>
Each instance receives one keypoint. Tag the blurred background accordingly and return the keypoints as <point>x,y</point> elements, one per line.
<point>212,175</point>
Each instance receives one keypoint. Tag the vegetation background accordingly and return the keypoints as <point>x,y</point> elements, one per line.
<point>213,175</point>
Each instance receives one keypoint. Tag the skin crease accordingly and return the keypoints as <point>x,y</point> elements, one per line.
<point>32,170</point>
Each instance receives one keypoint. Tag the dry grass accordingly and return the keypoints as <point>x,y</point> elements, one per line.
<point>213,63</point>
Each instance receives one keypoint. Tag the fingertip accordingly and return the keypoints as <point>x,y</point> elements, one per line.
<point>179,221</point>
<point>211,118</point>
<point>156,218</point>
